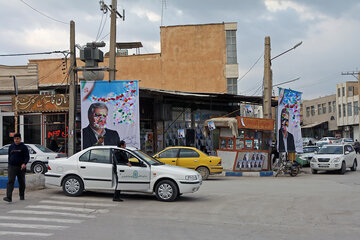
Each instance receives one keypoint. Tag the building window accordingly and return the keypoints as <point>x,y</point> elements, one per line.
<point>339,92</point>
<point>324,108</point>
<point>307,111</point>
<point>319,109</point>
<point>356,108</point>
<point>349,109</point>
<point>334,106</point>
<point>350,91</point>
<point>231,46</point>
<point>344,109</point>
<point>232,85</point>
<point>339,110</point>
<point>332,118</point>
<point>343,91</point>
<point>329,107</point>
<point>312,110</point>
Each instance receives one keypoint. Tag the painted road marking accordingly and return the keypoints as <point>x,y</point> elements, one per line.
<point>80,204</point>
<point>3,233</point>
<point>58,220</point>
<point>52,213</point>
<point>83,199</point>
<point>35,226</point>
<point>71,209</point>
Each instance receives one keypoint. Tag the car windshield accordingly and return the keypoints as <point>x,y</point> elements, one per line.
<point>309,150</point>
<point>147,158</point>
<point>331,150</point>
<point>43,149</point>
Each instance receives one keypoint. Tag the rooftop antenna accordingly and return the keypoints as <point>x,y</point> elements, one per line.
<point>163,6</point>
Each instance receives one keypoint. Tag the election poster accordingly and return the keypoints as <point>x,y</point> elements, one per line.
<point>110,110</point>
<point>288,121</point>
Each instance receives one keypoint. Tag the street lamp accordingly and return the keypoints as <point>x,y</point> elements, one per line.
<point>268,77</point>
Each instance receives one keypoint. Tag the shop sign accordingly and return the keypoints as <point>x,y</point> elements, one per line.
<point>255,123</point>
<point>58,133</point>
<point>42,103</point>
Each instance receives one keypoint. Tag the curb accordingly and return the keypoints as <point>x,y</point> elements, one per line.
<point>33,181</point>
<point>250,174</point>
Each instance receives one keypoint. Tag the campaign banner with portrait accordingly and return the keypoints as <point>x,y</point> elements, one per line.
<point>288,121</point>
<point>111,110</point>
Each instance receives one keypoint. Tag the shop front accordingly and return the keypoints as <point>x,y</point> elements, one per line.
<point>244,142</point>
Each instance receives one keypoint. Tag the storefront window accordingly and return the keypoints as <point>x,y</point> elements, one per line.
<point>32,129</point>
<point>230,144</point>
<point>223,144</point>
<point>56,128</point>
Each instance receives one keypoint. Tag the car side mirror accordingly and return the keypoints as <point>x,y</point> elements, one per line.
<point>347,152</point>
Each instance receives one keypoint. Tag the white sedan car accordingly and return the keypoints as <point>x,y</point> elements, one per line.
<point>334,157</point>
<point>92,169</point>
<point>39,157</point>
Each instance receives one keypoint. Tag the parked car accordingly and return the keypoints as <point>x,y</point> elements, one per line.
<point>190,157</point>
<point>92,169</point>
<point>346,141</point>
<point>39,157</point>
<point>305,157</point>
<point>334,157</point>
<point>326,140</point>
<point>306,141</point>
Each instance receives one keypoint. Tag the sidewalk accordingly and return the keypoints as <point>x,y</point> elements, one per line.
<point>33,182</point>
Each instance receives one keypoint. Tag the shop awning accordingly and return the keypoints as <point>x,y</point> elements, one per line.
<point>311,125</point>
<point>222,122</point>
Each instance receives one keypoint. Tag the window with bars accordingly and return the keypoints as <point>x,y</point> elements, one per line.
<point>329,107</point>
<point>349,109</point>
<point>344,109</point>
<point>312,110</point>
<point>307,111</point>
<point>232,85</point>
<point>231,53</point>
<point>356,108</point>
<point>319,109</point>
<point>339,110</point>
<point>324,108</point>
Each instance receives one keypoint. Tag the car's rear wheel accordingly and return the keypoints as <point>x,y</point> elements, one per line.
<point>38,167</point>
<point>343,168</point>
<point>73,186</point>
<point>166,190</point>
<point>204,172</point>
<point>354,166</point>
<point>313,171</point>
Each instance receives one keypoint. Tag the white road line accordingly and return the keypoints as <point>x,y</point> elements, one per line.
<point>83,210</point>
<point>52,213</point>
<point>3,233</point>
<point>82,199</point>
<point>34,226</point>
<point>58,220</point>
<point>80,204</point>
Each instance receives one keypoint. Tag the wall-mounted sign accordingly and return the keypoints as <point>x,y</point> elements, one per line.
<point>42,103</point>
<point>181,133</point>
<point>211,125</point>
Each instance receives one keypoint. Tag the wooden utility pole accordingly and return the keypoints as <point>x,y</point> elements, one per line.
<point>72,93</point>
<point>267,80</point>
<point>112,53</point>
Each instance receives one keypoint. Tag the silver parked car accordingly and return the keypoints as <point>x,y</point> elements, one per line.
<point>39,157</point>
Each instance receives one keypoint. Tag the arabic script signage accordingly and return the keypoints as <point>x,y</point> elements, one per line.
<point>42,103</point>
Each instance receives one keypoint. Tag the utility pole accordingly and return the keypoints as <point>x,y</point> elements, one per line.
<point>112,54</point>
<point>267,80</point>
<point>72,93</point>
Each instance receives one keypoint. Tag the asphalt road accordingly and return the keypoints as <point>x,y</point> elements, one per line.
<point>322,206</point>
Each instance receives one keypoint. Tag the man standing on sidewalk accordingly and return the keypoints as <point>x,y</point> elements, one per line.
<point>18,158</point>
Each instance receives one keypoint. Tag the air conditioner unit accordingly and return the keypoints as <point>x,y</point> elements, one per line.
<point>47,92</point>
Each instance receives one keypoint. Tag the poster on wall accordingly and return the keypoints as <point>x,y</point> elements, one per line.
<point>110,109</point>
<point>288,121</point>
<point>251,161</point>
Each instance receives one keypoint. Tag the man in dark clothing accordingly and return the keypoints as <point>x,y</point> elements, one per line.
<point>121,158</point>
<point>17,160</point>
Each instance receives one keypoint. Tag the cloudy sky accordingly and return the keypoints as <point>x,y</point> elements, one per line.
<point>329,30</point>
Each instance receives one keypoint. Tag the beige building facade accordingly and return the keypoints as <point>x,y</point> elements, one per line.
<point>319,117</point>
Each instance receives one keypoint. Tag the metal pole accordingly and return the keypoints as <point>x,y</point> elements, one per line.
<point>72,92</point>
<point>16,104</point>
<point>267,80</point>
<point>112,53</point>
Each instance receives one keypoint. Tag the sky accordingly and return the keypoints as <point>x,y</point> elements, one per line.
<point>327,28</point>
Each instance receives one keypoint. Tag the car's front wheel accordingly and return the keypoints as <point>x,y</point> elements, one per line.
<point>38,167</point>
<point>204,172</point>
<point>73,186</point>
<point>343,168</point>
<point>166,190</point>
<point>313,171</point>
<point>354,166</point>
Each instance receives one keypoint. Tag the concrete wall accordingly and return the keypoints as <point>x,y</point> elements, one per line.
<point>192,58</point>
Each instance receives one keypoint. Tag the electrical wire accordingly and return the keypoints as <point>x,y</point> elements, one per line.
<point>97,35</point>
<point>25,54</point>
<point>104,36</point>
<point>43,13</point>
<point>106,17</point>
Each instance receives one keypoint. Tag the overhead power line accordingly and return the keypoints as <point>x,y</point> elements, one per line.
<point>43,13</point>
<point>38,53</point>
